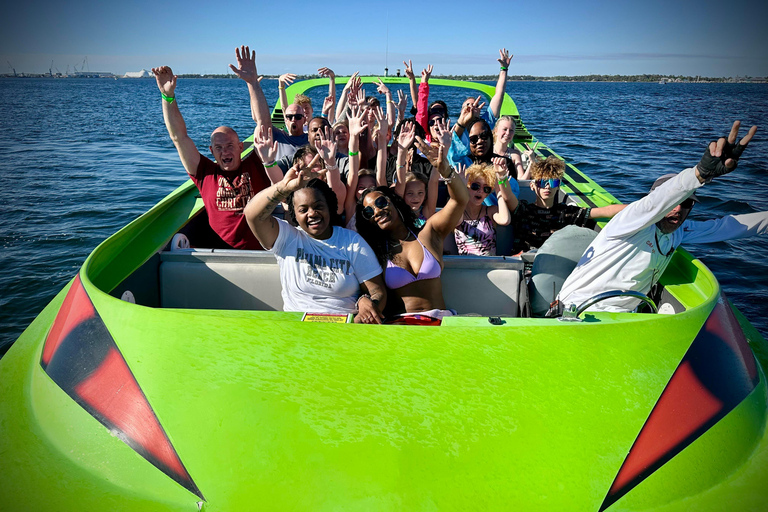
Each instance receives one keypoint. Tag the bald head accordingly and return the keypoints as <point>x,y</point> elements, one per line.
<point>226,148</point>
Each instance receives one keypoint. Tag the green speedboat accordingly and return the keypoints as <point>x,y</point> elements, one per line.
<point>163,379</point>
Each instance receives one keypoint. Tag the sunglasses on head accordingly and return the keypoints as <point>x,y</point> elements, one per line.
<point>484,136</point>
<point>476,186</point>
<point>294,117</point>
<point>552,182</point>
<point>687,204</point>
<point>380,202</point>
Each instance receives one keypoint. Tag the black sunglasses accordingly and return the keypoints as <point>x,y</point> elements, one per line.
<point>687,204</point>
<point>474,138</point>
<point>380,202</point>
<point>476,187</point>
<point>294,117</point>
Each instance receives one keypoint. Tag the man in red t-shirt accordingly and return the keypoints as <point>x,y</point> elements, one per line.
<point>225,186</point>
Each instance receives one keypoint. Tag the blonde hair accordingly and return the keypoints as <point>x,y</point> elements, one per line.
<point>301,99</point>
<point>505,118</point>
<point>484,171</point>
<point>552,167</point>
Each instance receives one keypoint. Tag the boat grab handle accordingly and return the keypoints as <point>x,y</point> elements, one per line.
<point>572,313</point>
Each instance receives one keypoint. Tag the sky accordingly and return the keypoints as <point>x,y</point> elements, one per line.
<point>547,38</point>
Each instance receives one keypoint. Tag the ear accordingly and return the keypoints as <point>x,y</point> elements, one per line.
<point>531,184</point>
<point>241,146</point>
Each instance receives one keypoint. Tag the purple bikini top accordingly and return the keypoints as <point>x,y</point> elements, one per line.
<point>397,277</point>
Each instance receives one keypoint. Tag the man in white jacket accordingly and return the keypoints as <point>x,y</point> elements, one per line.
<point>634,249</point>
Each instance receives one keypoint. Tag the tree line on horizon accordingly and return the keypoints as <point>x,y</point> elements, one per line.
<point>527,78</point>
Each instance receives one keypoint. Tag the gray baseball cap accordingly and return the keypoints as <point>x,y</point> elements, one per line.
<point>667,177</point>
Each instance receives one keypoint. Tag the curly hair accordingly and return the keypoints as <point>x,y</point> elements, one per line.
<point>328,195</point>
<point>301,99</point>
<point>370,231</point>
<point>481,170</point>
<point>551,167</point>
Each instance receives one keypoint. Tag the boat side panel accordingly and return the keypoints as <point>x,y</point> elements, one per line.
<point>57,456</point>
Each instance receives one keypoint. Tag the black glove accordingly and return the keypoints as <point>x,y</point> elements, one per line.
<point>712,166</point>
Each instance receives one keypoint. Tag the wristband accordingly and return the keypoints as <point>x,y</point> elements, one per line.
<point>503,68</point>
<point>270,165</point>
<point>169,99</point>
<point>503,181</point>
<point>461,126</point>
<point>450,176</point>
<point>364,296</point>
<point>354,153</point>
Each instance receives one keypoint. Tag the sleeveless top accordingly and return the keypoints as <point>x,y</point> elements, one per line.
<point>397,277</point>
<point>476,236</point>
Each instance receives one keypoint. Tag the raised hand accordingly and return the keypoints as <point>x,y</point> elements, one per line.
<point>246,65</point>
<point>426,73</point>
<point>352,80</point>
<point>381,88</point>
<point>409,70</point>
<point>357,121</point>
<point>326,147</point>
<point>402,102</point>
<point>328,103</point>
<point>327,72</point>
<point>406,137</point>
<point>504,58</point>
<point>381,119</point>
<point>721,157</point>
<point>461,172</point>
<point>298,176</point>
<point>435,153</point>
<point>477,106</point>
<point>286,79</point>
<point>166,80</point>
<point>500,167</point>
<point>265,145</point>
<point>443,131</point>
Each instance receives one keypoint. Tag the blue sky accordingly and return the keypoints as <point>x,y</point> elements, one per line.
<point>550,37</point>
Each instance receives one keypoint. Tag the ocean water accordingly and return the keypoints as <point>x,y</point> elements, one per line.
<point>80,158</point>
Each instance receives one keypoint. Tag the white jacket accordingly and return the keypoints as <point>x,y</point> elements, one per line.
<point>630,253</point>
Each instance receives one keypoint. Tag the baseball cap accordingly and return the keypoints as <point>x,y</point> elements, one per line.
<point>667,177</point>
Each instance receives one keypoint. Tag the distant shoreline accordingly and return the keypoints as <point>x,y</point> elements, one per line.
<point>486,78</point>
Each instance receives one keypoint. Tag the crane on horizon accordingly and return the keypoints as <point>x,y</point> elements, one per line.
<point>11,66</point>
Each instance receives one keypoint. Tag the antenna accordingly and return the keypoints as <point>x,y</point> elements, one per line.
<point>386,51</point>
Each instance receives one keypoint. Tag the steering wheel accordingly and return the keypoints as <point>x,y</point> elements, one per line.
<point>572,314</point>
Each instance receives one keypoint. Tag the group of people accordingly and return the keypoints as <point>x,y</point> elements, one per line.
<point>360,185</point>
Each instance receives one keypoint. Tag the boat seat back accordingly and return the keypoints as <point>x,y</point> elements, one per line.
<point>250,280</point>
<point>554,262</point>
<point>220,279</point>
<point>483,285</point>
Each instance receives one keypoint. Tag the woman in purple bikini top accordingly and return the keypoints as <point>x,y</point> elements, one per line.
<point>412,256</point>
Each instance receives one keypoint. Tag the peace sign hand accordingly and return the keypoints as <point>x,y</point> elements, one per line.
<point>426,73</point>
<point>721,157</point>
<point>409,70</point>
<point>298,176</point>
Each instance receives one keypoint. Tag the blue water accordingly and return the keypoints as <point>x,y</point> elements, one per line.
<point>81,158</point>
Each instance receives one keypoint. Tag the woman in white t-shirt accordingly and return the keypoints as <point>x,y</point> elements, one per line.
<point>324,268</point>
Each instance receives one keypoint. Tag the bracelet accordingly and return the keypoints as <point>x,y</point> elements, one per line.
<point>461,126</point>
<point>503,181</point>
<point>503,68</point>
<point>363,296</point>
<point>450,176</point>
<point>267,166</point>
<point>169,99</point>
<point>354,153</point>
<point>400,166</point>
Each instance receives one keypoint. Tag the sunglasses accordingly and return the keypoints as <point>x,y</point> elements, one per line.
<point>687,204</point>
<point>380,203</point>
<point>294,117</point>
<point>474,138</point>
<point>552,182</point>
<point>476,187</point>
<point>435,120</point>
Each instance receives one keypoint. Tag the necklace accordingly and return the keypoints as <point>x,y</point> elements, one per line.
<point>469,217</point>
<point>400,242</point>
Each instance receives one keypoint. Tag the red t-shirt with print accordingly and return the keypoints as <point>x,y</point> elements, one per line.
<point>225,194</point>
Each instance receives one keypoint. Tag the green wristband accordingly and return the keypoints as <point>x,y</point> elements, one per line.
<point>503,68</point>
<point>354,153</point>
<point>270,165</point>
<point>169,99</point>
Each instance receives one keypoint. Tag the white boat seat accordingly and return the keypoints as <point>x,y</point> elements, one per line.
<point>554,262</point>
<point>250,280</point>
